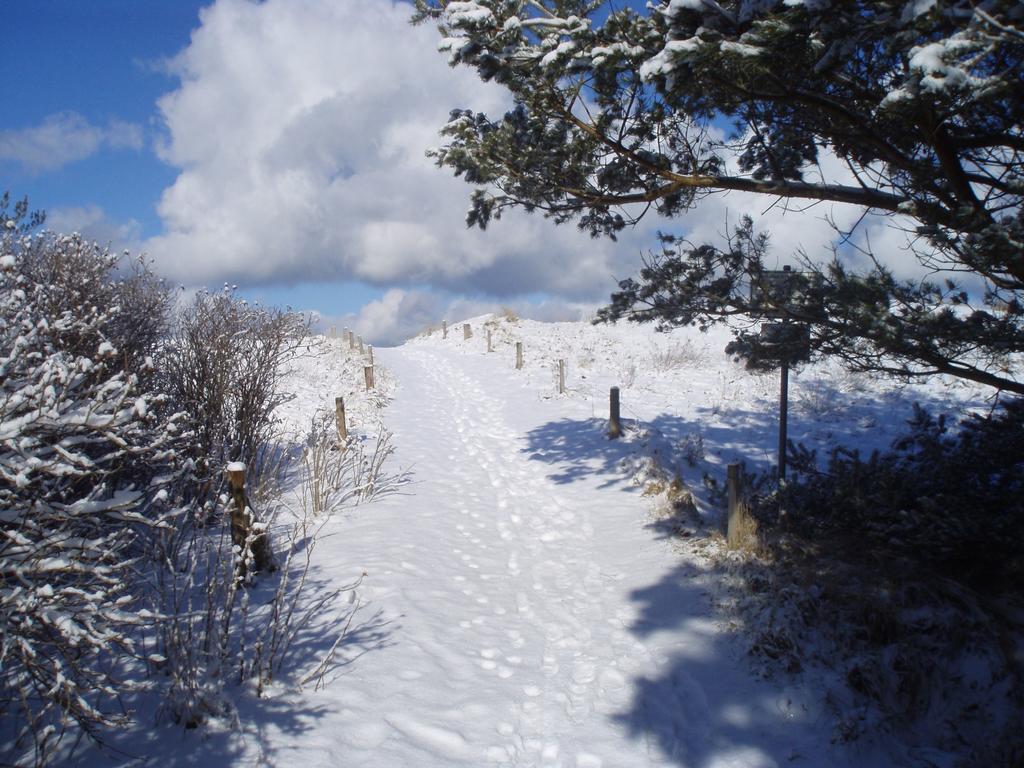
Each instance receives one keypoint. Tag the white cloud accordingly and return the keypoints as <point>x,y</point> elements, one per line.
<point>63,138</point>
<point>400,314</point>
<point>92,222</point>
<point>300,131</point>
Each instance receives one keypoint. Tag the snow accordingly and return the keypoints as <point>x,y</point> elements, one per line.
<point>468,13</point>
<point>235,466</point>
<point>741,49</point>
<point>663,62</point>
<point>521,605</point>
<point>564,48</point>
<point>602,53</point>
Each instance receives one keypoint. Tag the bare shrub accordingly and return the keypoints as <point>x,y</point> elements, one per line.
<point>338,472</point>
<point>691,448</point>
<point>216,631</point>
<point>223,367</point>
<point>680,355</point>
<point>627,374</point>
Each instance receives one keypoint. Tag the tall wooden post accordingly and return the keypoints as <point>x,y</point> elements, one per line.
<point>466,332</point>
<point>360,338</point>
<point>351,340</point>
<point>614,422</point>
<point>561,377</point>
<point>489,347</point>
<point>519,355</point>
<point>334,331</point>
<point>242,534</point>
<point>370,349</point>
<point>444,329</point>
<point>783,419</point>
<point>368,375</point>
<point>339,412</point>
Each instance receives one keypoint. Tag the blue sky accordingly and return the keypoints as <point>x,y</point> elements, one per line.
<point>279,146</point>
<point>85,136</point>
<point>106,61</point>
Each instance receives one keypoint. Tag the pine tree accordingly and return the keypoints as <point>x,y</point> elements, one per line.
<point>615,115</point>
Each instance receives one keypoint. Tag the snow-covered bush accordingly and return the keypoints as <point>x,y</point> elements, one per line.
<point>902,572</point>
<point>951,503</point>
<point>68,271</point>
<point>112,431</point>
<point>88,462</point>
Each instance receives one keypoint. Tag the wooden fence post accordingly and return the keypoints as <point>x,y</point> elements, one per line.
<point>242,534</point>
<point>466,332</point>
<point>351,340</point>
<point>444,329</point>
<point>740,526</point>
<point>368,375</point>
<point>334,331</point>
<point>614,422</point>
<point>561,377</point>
<point>519,355</point>
<point>489,347</point>
<point>360,344</point>
<point>339,412</point>
<point>370,349</point>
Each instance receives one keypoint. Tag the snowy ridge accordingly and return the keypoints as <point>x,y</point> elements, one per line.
<point>679,390</point>
<point>326,369</point>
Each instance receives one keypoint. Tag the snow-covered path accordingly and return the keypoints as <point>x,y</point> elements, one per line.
<point>527,614</point>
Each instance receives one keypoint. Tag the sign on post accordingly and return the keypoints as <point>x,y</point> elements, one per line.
<point>786,296</point>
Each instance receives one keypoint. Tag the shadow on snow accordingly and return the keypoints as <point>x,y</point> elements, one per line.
<point>705,705</point>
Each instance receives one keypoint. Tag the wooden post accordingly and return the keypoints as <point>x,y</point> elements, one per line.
<point>360,344</point>
<point>339,412</point>
<point>444,329</point>
<point>334,331</point>
<point>561,377</point>
<point>614,422</point>
<point>519,355</point>
<point>739,526</point>
<point>489,347</point>
<point>344,334</point>
<point>242,525</point>
<point>783,418</point>
<point>466,332</point>
<point>351,340</point>
<point>368,375</point>
<point>371,353</point>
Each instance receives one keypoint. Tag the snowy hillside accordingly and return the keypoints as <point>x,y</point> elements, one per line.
<point>522,603</point>
<point>681,389</point>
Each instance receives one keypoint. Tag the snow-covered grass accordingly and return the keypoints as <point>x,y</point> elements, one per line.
<point>540,595</point>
